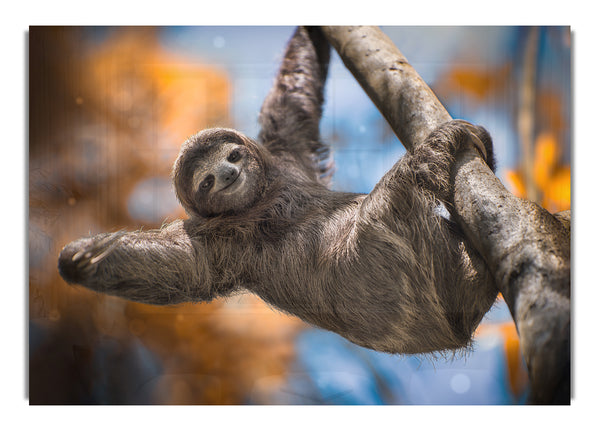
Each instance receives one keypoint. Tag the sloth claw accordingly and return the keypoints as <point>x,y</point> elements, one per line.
<point>78,260</point>
<point>106,246</point>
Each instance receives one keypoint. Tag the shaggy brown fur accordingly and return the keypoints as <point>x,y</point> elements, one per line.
<point>383,269</point>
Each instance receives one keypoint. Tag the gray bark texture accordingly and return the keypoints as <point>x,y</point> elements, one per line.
<point>525,247</point>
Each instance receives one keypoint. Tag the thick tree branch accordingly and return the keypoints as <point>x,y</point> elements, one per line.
<point>528,251</point>
<point>526,248</point>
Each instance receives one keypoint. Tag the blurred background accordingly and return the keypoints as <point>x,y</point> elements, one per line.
<point>108,110</point>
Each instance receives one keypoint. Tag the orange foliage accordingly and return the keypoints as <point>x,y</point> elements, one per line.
<point>213,354</point>
<point>545,159</point>
<point>130,68</point>
<point>476,83</point>
<point>558,193</point>
<point>551,178</point>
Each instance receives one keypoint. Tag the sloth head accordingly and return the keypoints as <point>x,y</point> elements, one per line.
<point>220,171</point>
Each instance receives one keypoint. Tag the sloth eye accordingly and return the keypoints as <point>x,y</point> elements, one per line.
<point>234,156</point>
<point>207,183</point>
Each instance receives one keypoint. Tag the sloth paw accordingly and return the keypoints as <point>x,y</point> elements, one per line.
<point>479,138</point>
<point>78,260</point>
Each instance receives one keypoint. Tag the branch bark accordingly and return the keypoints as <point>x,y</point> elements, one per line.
<point>526,248</point>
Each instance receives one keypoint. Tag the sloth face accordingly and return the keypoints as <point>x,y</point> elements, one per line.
<point>218,171</point>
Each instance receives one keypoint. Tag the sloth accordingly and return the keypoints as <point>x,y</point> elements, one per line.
<point>385,270</point>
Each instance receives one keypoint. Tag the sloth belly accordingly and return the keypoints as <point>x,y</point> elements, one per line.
<point>364,281</point>
<point>372,304</point>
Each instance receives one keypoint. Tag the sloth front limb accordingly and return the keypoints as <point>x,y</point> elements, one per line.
<point>162,266</point>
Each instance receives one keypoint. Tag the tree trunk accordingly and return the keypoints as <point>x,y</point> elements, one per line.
<point>526,248</point>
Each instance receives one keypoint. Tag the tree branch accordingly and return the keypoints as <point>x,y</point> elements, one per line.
<point>526,248</point>
<point>528,251</point>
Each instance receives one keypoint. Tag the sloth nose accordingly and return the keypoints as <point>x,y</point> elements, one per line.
<point>230,174</point>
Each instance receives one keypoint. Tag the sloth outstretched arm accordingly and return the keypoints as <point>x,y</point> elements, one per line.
<point>163,266</point>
